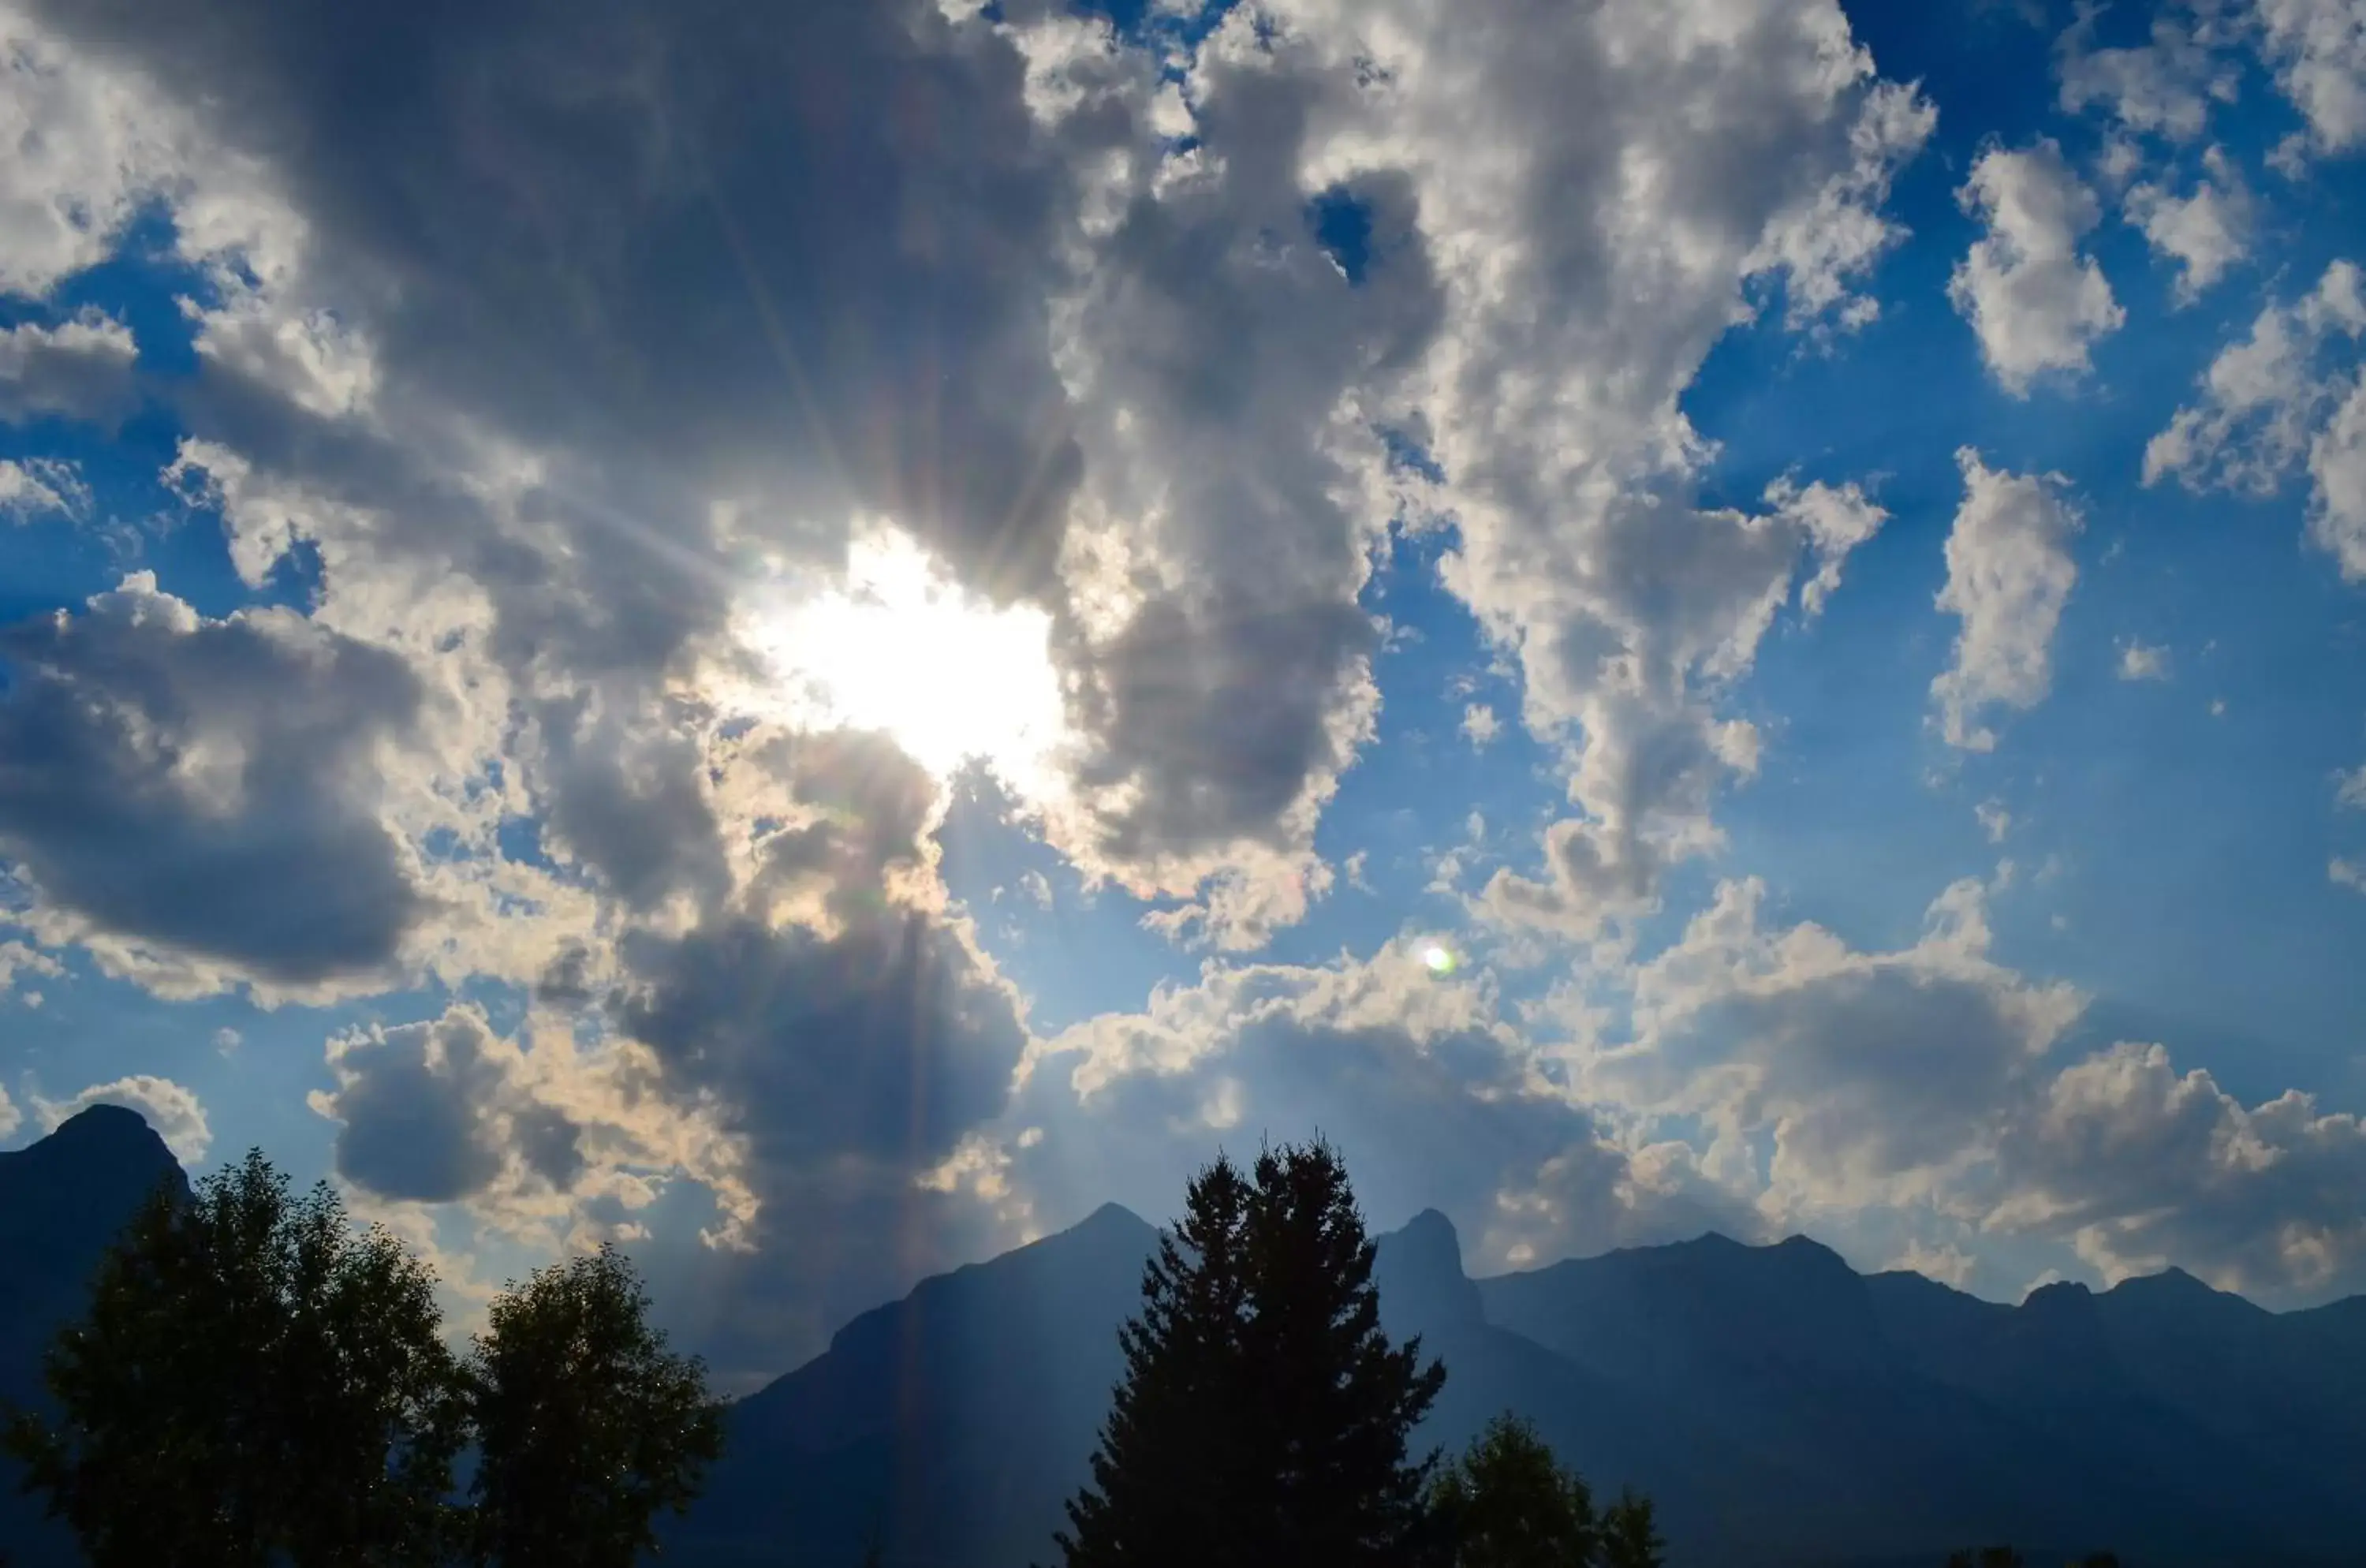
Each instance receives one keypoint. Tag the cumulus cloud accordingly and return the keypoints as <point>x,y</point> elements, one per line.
<point>2276,398</point>
<point>10,1117</point>
<point>84,150</point>
<point>81,369</point>
<point>184,793</point>
<point>1377,1055</point>
<point>2336,463</point>
<point>1881,1076</point>
<point>2205,231</point>
<point>1928,1080</point>
<point>1994,820</point>
<point>2141,1166</point>
<point>2034,302</point>
<point>2317,50</point>
<point>175,1111</point>
<point>2165,85</point>
<point>1480,725</point>
<point>547,1138</point>
<point>2141,661</point>
<point>544,380</point>
<point>1591,247</point>
<point>2008,575</point>
<point>1640,681</point>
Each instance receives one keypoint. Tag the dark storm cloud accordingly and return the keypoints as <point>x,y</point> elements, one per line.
<point>207,785</point>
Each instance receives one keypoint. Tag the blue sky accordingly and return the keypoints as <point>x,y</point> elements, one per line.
<point>1651,614</point>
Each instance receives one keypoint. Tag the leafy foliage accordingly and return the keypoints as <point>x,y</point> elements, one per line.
<point>586,1424</point>
<point>1265,1415</point>
<point>1630,1535</point>
<point>256,1382</point>
<point>1507,1502</point>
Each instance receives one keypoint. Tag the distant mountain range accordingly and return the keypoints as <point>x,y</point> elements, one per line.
<point>1782,1408</point>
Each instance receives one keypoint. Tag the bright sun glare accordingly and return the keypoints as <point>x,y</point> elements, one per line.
<point>900,646</point>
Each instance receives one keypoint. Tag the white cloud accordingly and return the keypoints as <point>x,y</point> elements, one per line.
<point>2034,302</point>
<point>82,150</point>
<point>1480,724</point>
<point>2142,660</point>
<point>2317,49</point>
<point>2165,85</point>
<point>2205,231</point>
<point>1947,1263</point>
<point>2349,788</point>
<point>2139,1166</point>
<point>1928,1081</point>
<point>1378,1053</point>
<point>1038,889</point>
<point>10,1117</point>
<point>80,368</point>
<point>173,1110</point>
<point>2276,398</point>
<point>227,1040</point>
<point>2347,873</point>
<point>2337,462</point>
<point>1591,247</point>
<point>2008,575</point>
<point>16,959</point>
<point>1879,1076</point>
<point>1994,820</point>
<point>540,1136</point>
<point>41,486</point>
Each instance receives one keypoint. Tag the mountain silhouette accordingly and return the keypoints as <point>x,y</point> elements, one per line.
<point>62,1202</point>
<point>1781,1408</point>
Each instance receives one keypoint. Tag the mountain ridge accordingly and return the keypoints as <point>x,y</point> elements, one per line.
<point>1782,1408</point>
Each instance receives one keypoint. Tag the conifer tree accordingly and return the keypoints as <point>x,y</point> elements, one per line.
<point>1265,1415</point>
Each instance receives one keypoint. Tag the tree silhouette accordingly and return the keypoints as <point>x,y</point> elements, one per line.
<point>1264,1414</point>
<point>586,1424</point>
<point>255,1382</point>
<point>1507,1502</point>
<point>1986,1557</point>
<point>1630,1536</point>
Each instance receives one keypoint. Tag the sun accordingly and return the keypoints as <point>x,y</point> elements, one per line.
<point>897,645</point>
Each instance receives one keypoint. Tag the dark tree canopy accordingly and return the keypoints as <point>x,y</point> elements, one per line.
<point>255,1383</point>
<point>1631,1534</point>
<point>1507,1502</point>
<point>1264,1415</point>
<point>587,1425</point>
